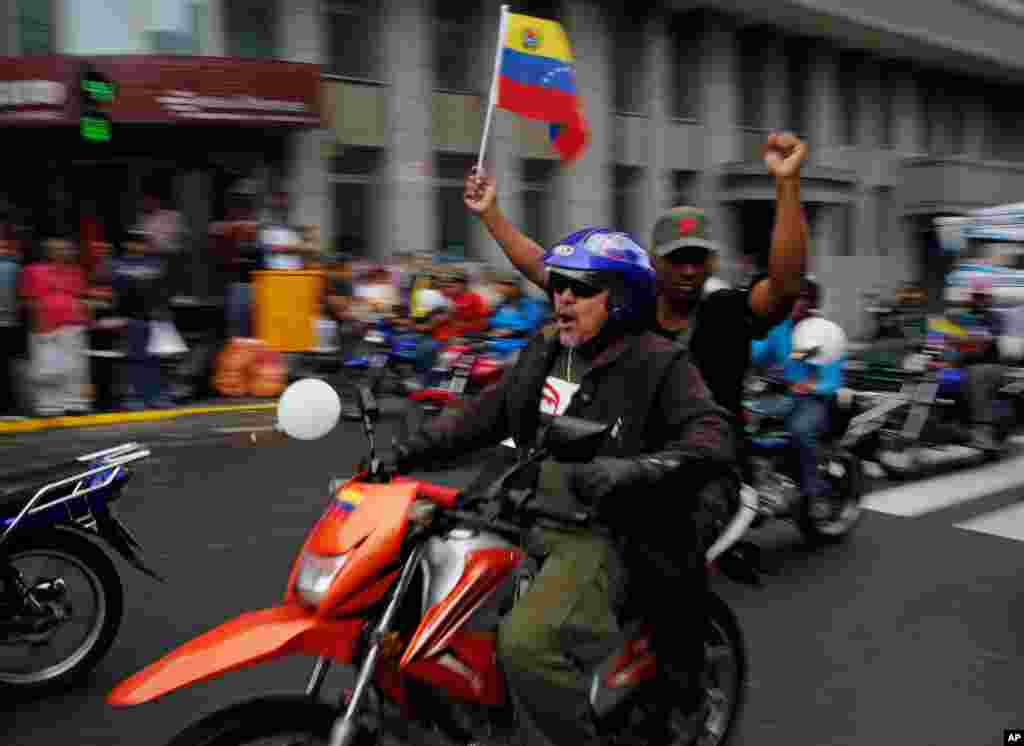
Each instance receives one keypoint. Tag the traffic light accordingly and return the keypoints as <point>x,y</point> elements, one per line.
<point>96,95</point>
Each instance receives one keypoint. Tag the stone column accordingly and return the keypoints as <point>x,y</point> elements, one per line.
<point>215,44</point>
<point>303,39</point>
<point>720,108</point>
<point>9,42</point>
<point>502,158</point>
<point>824,115</point>
<point>657,179</point>
<point>587,183</point>
<point>407,216</point>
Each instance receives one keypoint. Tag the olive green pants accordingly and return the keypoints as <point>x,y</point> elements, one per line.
<point>564,625</point>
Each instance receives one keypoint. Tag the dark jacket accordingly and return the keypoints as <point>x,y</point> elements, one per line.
<point>669,427</point>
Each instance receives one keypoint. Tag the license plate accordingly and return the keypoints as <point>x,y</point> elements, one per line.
<point>378,360</point>
<point>458,385</point>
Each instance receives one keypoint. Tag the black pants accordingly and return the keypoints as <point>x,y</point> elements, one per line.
<point>12,345</point>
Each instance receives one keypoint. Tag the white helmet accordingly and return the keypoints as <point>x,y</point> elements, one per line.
<point>818,341</point>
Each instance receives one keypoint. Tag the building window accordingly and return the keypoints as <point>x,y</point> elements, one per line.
<point>886,104</point>
<point>35,27</point>
<point>630,52</point>
<point>456,42</point>
<point>250,28</point>
<point>847,230</point>
<point>538,201</point>
<point>849,63</point>
<point>883,218</point>
<point>751,63</point>
<point>453,219</point>
<point>354,41</point>
<point>685,44</point>
<point>354,176</point>
<point>683,189</point>
<point>627,188</point>
<point>798,65</point>
<point>550,9</point>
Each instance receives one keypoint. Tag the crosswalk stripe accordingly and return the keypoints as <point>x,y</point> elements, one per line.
<point>1007,523</point>
<point>938,493</point>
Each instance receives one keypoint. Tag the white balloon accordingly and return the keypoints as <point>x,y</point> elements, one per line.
<point>308,409</point>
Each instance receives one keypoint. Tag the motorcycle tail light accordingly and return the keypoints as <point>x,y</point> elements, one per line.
<point>316,573</point>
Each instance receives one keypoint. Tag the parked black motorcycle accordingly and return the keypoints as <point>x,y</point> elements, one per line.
<point>61,598</point>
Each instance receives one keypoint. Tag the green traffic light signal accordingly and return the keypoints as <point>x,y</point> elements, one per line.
<point>96,129</point>
<point>99,90</point>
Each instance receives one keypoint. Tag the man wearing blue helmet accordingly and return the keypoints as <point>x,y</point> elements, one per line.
<point>718,326</point>
<point>597,362</point>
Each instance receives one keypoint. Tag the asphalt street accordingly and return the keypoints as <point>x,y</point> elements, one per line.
<point>908,633</point>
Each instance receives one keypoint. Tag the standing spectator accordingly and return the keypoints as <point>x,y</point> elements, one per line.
<point>165,228</point>
<point>54,290</point>
<point>235,242</point>
<point>12,334</point>
<point>279,240</point>
<point>140,286</point>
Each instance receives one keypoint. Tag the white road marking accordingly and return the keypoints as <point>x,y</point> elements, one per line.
<point>937,493</point>
<point>1007,523</point>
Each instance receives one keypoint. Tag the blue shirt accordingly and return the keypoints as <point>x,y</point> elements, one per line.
<point>522,317</point>
<point>777,348</point>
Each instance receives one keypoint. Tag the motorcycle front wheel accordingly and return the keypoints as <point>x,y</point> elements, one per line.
<point>277,719</point>
<point>287,720</point>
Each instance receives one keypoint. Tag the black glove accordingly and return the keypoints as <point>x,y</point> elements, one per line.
<point>594,481</point>
<point>408,455</point>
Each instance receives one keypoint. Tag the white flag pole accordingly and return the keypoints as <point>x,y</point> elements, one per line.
<point>491,99</point>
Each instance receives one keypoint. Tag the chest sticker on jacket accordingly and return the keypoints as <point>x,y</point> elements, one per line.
<point>554,400</point>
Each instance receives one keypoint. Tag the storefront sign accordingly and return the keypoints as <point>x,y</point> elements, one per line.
<point>204,90</point>
<point>35,90</point>
<point>164,89</point>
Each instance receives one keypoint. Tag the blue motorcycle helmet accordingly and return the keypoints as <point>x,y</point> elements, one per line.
<point>608,260</point>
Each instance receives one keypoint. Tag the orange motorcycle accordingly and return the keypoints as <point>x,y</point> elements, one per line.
<point>404,582</point>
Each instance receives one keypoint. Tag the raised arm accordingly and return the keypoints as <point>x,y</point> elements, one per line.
<point>526,255</point>
<point>773,297</point>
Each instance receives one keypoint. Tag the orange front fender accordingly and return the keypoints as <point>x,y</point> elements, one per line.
<point>244,641</point>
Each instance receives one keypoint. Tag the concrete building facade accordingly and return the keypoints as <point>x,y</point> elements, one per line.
<point>908,115</point>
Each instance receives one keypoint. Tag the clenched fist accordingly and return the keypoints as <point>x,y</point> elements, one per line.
<point>481,193</point>
<point>784,153</point>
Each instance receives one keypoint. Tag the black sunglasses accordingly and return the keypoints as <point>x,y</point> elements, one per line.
<point>560,283</point>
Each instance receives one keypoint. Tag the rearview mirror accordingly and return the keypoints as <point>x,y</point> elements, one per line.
<point>572,439</point>
<point>308,409</point>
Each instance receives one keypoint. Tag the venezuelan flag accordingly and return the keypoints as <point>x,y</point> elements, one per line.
<point>536,79</point>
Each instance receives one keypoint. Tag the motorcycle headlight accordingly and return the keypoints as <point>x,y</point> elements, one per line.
<point>316,573</point>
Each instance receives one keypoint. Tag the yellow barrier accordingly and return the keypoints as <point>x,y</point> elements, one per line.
<point>286,305</point>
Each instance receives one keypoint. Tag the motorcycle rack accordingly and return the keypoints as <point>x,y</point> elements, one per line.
<point>110,457</point>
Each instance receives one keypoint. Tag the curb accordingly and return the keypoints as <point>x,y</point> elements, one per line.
<point>38,424</point>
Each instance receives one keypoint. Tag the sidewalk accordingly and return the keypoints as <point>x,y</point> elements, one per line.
<point>205,406</point>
